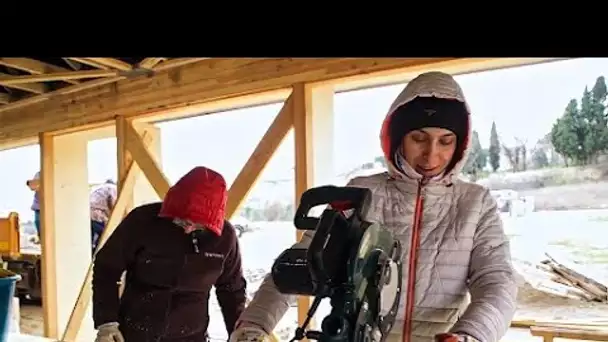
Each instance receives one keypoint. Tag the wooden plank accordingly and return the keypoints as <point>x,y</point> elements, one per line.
<point>36,88</point>
<point>150,62</point>
<point>33,66</point>
<point>549,333</point>
<point>89,62</point>
<point>148,165</point>
<point>259,158</point>
<point>176,62</point>
<point>9,80</point>
<point>15,106</point>
<point>112,63</point>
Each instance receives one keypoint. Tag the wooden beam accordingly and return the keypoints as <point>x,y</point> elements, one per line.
<point>103,63</point>
<point>36,88</point>
<point>112,63</point>
<point>73,64</point>
<point>126,183</point>
<point>59,76</point>
<point>304,167</point>
<point>150,62</point>
<point>89,62</point>
<point>259,158</point>
<point>84,296</point>
<point>33,66</point>
<point>146,162</point>
<point>5,98</point>
<point>63,91</point>
<point>176,62</point>
<point>201,82</point>
<point>124,160</point>
<point>48,257</point>
<point>79,88</point>
<point>259,99</point>
<point>456,66</point>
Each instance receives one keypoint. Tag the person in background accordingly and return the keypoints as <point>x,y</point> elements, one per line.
<point>34,185</point>
<point>459,283</point>
<point>173,252</point>
<point>102,200</point>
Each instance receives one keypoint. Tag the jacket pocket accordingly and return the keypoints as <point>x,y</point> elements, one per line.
<point>156,270</point>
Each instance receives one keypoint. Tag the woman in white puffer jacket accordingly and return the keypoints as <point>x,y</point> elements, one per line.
<point>458,278</point>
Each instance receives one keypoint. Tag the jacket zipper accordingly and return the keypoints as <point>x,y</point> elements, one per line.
<point>413,262</point>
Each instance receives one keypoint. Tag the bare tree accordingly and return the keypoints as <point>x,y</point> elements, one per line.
<point>523,153</point>
<point>516,155</point>
<point>511,155</point>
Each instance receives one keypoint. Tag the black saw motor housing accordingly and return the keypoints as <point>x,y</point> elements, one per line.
<point>344,261</point>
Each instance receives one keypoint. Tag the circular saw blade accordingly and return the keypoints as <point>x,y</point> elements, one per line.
<point>389,289</point>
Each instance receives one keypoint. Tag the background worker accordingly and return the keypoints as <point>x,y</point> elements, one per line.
<point>34,185</point>
<point>102,200</point>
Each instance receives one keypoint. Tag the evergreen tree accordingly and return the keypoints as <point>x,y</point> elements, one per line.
<point>596,141</point>
<point>568,134</point>
<point>477,158</point>
<point>494,150</point>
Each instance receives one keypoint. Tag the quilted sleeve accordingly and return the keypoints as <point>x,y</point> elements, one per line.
<point>491,279</point>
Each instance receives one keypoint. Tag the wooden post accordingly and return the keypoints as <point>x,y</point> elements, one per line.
<point>313,138</point>
<point>66,236</point>
<point>133,151</point>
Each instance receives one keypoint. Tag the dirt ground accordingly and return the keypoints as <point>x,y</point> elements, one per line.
<point>31,322</point>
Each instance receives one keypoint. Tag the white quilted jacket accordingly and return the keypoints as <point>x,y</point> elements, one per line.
<point>463,280</point>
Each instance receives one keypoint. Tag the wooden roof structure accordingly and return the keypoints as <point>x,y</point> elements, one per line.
<point>46,98</point>
<point>26,78</point>
<point>76,93</point>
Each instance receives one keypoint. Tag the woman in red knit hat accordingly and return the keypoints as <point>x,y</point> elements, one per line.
<point>173,252</point>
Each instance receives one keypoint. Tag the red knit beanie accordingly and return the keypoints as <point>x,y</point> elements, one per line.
<point>200,197</point>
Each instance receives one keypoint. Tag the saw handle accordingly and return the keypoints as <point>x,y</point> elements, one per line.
<point>340,198</point>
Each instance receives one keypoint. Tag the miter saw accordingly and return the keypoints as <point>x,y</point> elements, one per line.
<point>355,263</point>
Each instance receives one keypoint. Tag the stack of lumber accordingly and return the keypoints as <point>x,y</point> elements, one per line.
<point>570,283</point>
<point>552,277</point>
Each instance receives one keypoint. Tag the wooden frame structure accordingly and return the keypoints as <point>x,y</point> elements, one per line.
<point>124,100</point>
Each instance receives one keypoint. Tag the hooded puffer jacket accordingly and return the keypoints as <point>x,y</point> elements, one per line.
<point>463,280</point>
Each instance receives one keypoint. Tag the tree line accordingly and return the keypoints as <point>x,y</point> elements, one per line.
<point>578,137</point>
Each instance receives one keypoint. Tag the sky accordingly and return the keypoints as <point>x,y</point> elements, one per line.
<point>523,101</point>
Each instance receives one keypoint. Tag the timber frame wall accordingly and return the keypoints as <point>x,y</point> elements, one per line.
<point>127,109</point>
